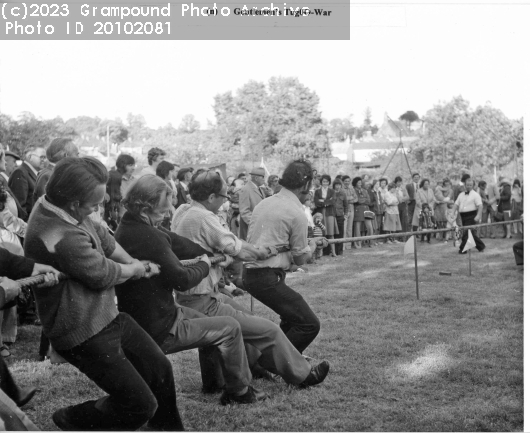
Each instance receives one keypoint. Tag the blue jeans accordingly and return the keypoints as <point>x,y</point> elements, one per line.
<point>126,363</point>
<point>298,322</point>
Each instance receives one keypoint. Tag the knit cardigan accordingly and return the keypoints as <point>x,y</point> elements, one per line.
<point>79,307</point>
<point>150,301</point>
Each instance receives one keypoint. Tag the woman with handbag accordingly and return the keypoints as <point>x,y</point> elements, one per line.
<point>325,204</point>
<point>443,194</point>
<point>362,212</point>
<point>505,207</point>
<point>392,223</point>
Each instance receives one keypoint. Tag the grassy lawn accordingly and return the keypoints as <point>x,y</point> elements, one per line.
<point>452,361</point>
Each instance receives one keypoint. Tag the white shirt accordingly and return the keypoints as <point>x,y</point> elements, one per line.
<point>468,202</point>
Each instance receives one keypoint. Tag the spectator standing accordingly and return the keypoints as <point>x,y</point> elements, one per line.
<point>58,149</point>
<point>273,183</point>
<point>392,223</point>
<point>450,216</point>
<point>125,165</point>
<point>517,205</point>
<point>424,195</point>
<point>403,197</point>
<point>359,209</point>
<point>378,208</point>
<point>184,177</point>
<point>22,180</point>
<point>341,213</point>
<point>249,197</point>
<point>469,204</point>
<point>325,204</point>
<point>493,199</point>
<point>443,194</point>
<point>352,199</point>
<point>154,157</point>
<point>12,203</point>
<point>483,231</point>
<point>505,207</point>
<point>412,190</point>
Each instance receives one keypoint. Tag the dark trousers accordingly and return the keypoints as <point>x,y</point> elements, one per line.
<point>298,322</point>
<point>404,217</point>
<point>411,207</point>
<point>468,219</point>
<point>126,363</point>
<point>339,247</point>
<point>518,252</point>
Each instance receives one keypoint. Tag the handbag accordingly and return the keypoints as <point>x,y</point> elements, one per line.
<point>369,215</point>
<point>499,216</point>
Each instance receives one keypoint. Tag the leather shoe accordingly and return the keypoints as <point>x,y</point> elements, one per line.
<point>252,395</point>
<point>316,375</point>
<point>25,395</point>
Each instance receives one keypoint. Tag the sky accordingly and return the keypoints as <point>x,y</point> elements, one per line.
<point>399,57</point>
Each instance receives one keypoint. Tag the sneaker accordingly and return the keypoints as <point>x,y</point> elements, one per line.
<point>252,395</point>
<point>316,375</point>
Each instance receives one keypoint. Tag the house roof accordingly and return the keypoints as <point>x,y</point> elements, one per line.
<point>381,142</point>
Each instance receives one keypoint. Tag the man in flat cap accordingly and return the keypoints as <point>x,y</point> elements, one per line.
<point>249,197</point>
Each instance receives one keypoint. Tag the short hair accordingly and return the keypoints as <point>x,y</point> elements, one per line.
<point>423,182</point>
<point>181,175</point>
<point>57,149</point>
<point>398,179</point>
<point>337,181</point>
<point>145,193</point>
<point>391,185</point>
<point>465,177</point>
<point>241,175</point>
<point>154,153</point>
<point>325,177</point>
<point>345,177</point>
<point>445,181</point>
<point>123,161</point>
<point>203,184</point>
<point>415,174</point>
<point>383,179</point>
<point>164,168</point>
<point>30,149</point>
<point>517,182</point>
<point>297,174</point>
<point>75,179</point>
<point>356,180</point>
<point>482,183</point>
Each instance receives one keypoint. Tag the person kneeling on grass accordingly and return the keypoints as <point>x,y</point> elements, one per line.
<point>79,314</point>
<point>150,302</point>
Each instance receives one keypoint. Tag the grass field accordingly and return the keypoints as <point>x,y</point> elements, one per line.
<point>452,361</point>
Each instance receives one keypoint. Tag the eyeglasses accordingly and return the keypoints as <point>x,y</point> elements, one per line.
<point>43,157</point>
<point>222,195</point>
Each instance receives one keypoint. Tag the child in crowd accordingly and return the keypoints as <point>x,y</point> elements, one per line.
<point>426,220</point>
<point>319,230</point>
<point>450,216</point>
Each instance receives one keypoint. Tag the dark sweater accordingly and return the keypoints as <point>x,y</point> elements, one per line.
<point>82,305</point>
<point>150,301</point>
<point>13,267</point>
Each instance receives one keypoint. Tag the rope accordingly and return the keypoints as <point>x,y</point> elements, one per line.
<point>217,258</point>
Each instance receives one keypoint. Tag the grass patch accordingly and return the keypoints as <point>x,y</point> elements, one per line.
<point>452,361</point>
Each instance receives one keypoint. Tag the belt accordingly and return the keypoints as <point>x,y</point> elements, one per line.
<point>256,270</point>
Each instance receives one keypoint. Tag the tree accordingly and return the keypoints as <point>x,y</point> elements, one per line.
<point>340,130</point>
<point>280,119</point>
<point>367,117</point>
<point>118,133</point>
<point>188,124</point>
<point>409,117</point>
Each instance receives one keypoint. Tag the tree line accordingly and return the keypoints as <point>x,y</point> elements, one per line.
<point>280,120</point>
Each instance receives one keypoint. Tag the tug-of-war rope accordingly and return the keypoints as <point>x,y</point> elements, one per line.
<point>218,258</point>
